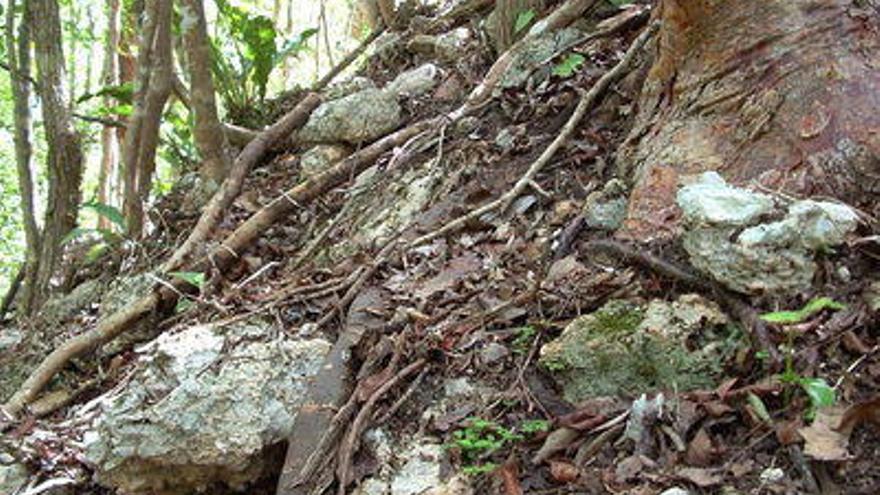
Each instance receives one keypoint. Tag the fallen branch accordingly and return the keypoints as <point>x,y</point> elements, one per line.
<point>346,450</point>
<point>351,57</point>
<point>233,183</point>
<point>586,103</point>
<point>732,302</point>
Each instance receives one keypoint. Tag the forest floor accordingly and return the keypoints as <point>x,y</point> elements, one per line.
<point>474,308</point>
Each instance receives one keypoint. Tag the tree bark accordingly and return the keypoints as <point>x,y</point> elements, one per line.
<point>19,57</point>
<point>209,135</point>
<point>64,155</point>
<point>153,86</point>
<point>109,141</point>
<point>783,93</point>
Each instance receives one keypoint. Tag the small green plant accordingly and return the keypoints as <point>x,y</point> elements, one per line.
<point>800,315</point>
<point>196,279</point>
<point>523,19</point>
<point>107,237</point>
<point>569,65</point>
<point>478,440</point>
<point>532,426</point>
<point>524,338</point>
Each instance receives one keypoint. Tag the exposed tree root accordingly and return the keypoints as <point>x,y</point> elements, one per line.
<point>587,102</point>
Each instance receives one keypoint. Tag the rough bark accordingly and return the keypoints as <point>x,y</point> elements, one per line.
<point>19,57</point>
<point>208,132</point>
<point>64,154</point>
<point>781,93</point>
<point>109,141</point>
<point>153,87</point>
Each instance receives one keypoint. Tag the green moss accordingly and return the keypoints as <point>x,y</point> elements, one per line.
<point>617,350</point>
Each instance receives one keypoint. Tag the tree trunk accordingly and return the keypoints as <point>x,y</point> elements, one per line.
<point>783,93</point>
<point>109,142</point>
<point>64,155</point>
<point>19,57</point>
<point>153,86</point>
<point>209,135</point>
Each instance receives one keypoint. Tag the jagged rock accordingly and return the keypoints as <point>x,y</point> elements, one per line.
<point>752,245</point>
<point>530,59</point>
<point>628,348</point>
<point>414,82</point>
<point>360,117</point>
<point>389,47</point>
<point>13,476</point>
<point>321,157</point>
<point>448,47</point>
<point>675,491</point>
<point>202,408</point>
<point>61,308</point>
<point>417,467</point>
<point>606,209</point>
<point>10,337</point>
<point>195,192</point>
<point>119,294</point>
<point>348,87</point>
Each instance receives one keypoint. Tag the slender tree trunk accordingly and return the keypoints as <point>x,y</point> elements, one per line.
<point>71,60</point>
<point>64,155</point>
<point>109,142</point>
<point>153,86</point>
<point>19,57</point>
<point>209,136</point>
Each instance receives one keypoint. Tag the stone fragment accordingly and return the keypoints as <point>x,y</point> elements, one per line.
<point>321,157</point>
<point>357,118</point>
<point>415,82</point>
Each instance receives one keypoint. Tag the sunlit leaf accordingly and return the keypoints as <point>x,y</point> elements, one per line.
<point>798,316</point>
<point>569,65</point>
<point>523,19</point>
<point>193,278</point>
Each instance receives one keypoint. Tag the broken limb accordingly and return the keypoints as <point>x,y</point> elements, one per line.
<point>731,302</point>
<point>586,103</point>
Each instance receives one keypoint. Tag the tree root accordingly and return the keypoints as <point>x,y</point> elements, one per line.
<point>586,103</point>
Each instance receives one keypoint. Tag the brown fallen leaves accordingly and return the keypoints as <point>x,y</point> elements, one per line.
<point>827,438</point>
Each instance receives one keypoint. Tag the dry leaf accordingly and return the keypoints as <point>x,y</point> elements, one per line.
<point>564,472</point>
<point>700,451</point>
<point>701,477</point>
<point>787,431</point>
<point>822,440</point>
<point>868,410</point>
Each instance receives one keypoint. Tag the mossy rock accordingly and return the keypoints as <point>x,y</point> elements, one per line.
<point>625,348</point>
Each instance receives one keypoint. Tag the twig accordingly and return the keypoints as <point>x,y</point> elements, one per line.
<point>328,78</point>
<point>403,398</point>
<point>346,450</point>
<point>586,103</point>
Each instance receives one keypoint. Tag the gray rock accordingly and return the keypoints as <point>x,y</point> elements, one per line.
<point>628,349</point>
<point>121,293</point>
<point>448,47</point>
<point>530,58</point>
<point>13,477</point>
<point>201,408</point>
<point>728,235</point>
<point>606,209</point>
<point>10,337</point>
<point>319,158</point>
<point>675,491</point>
<point>348,87</point>
<point>417,466</point>
<point>414,82</point>
<point>60,308</point>
<point>493,353</point>
<point>356,118</point>
<point>506,139</point>
<point>772,475</point>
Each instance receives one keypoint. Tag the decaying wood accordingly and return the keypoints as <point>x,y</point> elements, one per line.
<point>586,103</point>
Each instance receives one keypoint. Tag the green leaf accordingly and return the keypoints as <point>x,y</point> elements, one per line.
<point>193,278</point>
<point>759,408</point>
<point>798,316</point>
<point>523,19</point>
<point>534,426</point>
<point>76,234</point>
<point>109,212</point>
<point>569,65</point>
<point>820,393</point>
<point>124,93</point>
